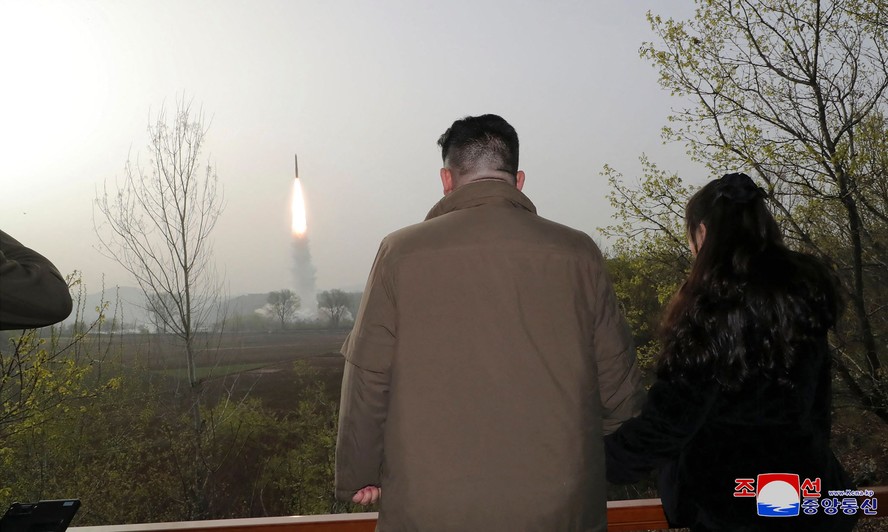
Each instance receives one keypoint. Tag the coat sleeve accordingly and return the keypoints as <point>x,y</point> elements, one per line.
<point>363,405</point>
<point>619,378</point>
<point>32,291</point>
<point>671,416</point>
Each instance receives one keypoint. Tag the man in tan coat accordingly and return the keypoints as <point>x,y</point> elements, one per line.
<point>487,360</point>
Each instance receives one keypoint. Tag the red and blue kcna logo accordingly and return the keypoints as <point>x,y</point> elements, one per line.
<point>778,495</point>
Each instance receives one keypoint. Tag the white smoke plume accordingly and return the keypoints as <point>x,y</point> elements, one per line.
<point>304,278</point>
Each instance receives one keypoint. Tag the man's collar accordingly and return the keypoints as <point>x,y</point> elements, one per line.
<point>482,192</point>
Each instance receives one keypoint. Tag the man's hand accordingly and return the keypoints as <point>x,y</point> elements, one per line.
<point>367,495</point>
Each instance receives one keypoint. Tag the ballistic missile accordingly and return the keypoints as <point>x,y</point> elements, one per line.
<point>296,162</point>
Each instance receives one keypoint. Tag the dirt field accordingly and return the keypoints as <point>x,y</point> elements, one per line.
<point>261,364</point>
<point>159,351</point>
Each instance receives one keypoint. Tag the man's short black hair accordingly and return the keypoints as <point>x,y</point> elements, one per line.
<point>478,142</point>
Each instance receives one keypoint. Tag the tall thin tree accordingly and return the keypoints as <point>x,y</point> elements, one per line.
<point>156,222</point>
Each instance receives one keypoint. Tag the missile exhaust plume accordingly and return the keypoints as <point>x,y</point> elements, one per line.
<point>303,268</point>
<point>299,224</point>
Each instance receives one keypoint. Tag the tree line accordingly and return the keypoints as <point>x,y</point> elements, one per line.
<point>335,305</point>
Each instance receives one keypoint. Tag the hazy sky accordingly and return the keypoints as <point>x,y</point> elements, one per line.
<point>361,90</point>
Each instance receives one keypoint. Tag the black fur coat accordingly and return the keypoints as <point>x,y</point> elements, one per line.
<point>703,438</point>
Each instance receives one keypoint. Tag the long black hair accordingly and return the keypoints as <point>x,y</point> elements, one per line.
<point>750,305</point>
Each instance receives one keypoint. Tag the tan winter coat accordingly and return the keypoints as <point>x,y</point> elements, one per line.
<point>488,358</point>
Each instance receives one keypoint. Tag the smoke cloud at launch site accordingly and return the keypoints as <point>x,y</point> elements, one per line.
<point>304,277</point>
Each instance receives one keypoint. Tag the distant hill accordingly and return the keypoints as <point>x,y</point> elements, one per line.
<point>124,303</point>
<point>127,305</point>
<point>246,304</point>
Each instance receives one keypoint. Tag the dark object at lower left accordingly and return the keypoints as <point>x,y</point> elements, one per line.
<point>43,516</point>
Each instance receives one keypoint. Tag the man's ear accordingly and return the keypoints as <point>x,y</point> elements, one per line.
<point>519,179</point>
<point>447,180</point>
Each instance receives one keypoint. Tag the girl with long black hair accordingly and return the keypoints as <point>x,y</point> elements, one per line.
<point>743,379</point>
